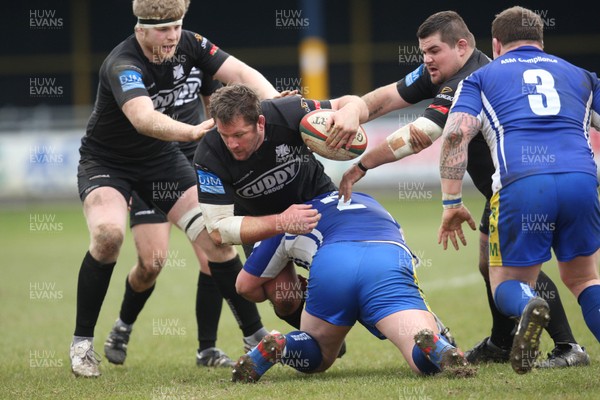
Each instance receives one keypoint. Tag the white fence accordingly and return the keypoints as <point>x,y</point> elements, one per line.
<point>37,164</point>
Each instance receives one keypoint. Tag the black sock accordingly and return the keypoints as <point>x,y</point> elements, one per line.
<point>209,302</point>
<point>92,285</point>
<point>502,326</point>
<point>133,302</point>
<point>245,312</point>
<point>294,318</point>
<point>558,327</point>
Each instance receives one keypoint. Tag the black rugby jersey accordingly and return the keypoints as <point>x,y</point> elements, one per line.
<point>281,172</point>
<point>189,107</point>
<point>125,74</point>
<point>417,86</point>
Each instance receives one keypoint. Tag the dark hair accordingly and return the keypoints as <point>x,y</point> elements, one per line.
<point>229,102</point>
<point>518,23</point>
<point>449,25</point>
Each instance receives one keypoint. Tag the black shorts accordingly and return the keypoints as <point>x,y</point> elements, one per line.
<point>159,182</point>
<point>141,212</point>
<point>484,225</point>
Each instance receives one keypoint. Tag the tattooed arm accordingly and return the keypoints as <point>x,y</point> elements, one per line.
<point>460,129</point>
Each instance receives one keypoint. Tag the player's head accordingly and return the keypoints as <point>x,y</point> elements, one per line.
<point>238,116</point>
<point>446,43</point>
<point>158,29</point>
<point>516,26</point>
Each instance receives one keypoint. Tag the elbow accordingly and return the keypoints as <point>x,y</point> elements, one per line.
<point>137,123</point>
<point>140,120</point>
<point>454,137</point>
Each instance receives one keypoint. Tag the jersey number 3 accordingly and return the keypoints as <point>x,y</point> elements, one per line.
<point>544,90</point>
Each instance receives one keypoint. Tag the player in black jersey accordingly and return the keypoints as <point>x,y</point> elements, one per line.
<point>128,146</point>
<point>149,223</point>
<point>450,56</point>
<point>254,166</point>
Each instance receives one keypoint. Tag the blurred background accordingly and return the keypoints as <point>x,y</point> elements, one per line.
<point>52,51</point>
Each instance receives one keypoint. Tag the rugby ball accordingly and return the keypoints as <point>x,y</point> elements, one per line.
<point>312,130</point>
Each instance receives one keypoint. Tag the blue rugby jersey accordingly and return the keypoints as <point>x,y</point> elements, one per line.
<point>536,111</point>
<point>363,219</point>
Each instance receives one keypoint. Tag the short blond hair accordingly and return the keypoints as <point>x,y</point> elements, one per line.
<point>160,9</point>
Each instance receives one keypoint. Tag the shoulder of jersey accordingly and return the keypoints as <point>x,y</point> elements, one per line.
<point>279,101</point>
<point>126,49</point>
<point>210,140</point>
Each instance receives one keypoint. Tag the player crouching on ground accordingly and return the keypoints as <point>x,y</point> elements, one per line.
<point>360,247</point>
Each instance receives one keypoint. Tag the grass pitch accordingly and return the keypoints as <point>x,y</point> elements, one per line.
<point>42,249</point>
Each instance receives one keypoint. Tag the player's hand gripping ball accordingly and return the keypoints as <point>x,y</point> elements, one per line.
<point>312,129</point>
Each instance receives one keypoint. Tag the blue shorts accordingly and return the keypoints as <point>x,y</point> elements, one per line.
<point>538,213</point>
<point>362,281</point>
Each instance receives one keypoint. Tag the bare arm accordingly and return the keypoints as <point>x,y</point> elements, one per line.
<point>205,104</point>
<point>225,228</point>
<point>297,219</point>
<point>352,106</point>
<point>147,121</point>
<point>376,103</point>
<point>374,157</point>
<point>379,102</point>
<point>384,100</point>
<point>236,71</point>
<point>460,129</point>
<point>409,139</point>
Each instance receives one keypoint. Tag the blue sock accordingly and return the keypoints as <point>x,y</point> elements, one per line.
<point>423,363</point>
<point>441,346</point>
<point>302,352</point>
<point>589,300</point>
<point>261,364</point>
<point>512,296</point>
